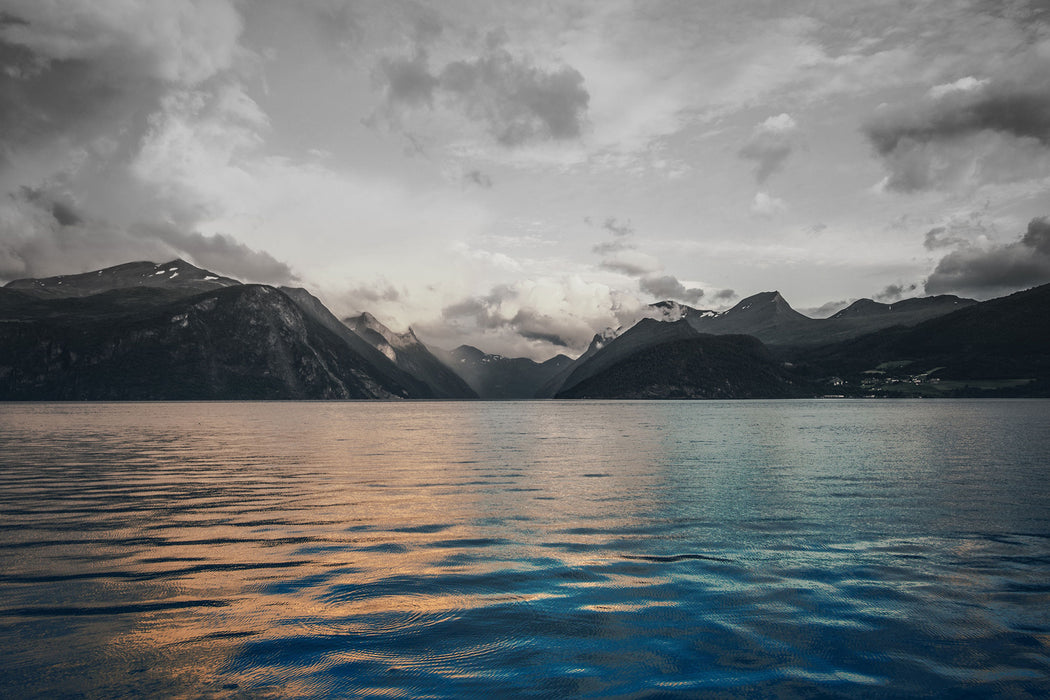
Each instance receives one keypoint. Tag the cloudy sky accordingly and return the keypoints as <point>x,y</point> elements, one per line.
<point>520,174</point>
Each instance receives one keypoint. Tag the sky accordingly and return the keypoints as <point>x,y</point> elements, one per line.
<point>519,175</point>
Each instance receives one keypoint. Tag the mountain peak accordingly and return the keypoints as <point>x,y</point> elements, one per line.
<point>367,322</point>
<point>176,274</point>
<point>763,302</point>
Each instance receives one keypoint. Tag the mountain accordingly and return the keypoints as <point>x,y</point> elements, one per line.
<point>498,377</point>
<point>234,342</point>
<point>770,318</point>
<point>698,367</point>
<point>382,366</point>
<point>996,347</point>
<point>645,334</point>
<point>178,278</point>
<point>175,331</point>
<point>407,352</point>
<point>766,316</point>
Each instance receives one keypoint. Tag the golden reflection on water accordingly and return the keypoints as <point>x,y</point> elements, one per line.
<point>275,519</point>
<point>158,542</point>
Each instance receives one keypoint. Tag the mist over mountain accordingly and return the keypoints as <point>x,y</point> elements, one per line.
<point>407,352</point>
<point>498,377</point>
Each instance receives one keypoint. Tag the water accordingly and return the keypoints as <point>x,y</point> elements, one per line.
<point>544,549</point>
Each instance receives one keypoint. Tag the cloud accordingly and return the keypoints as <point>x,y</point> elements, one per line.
<point>109,113</point>
<point>770,145</point>
<point>941,237</point>
<point>668,287</point>
<point>621,255</point>
<point>725,295</point>
<point>622,233</point>
<point>997,269</point>
<point>534,317</point>
<point>43,234</point>
<point>967,84</point>
<point>632,263</point>
<point>516,101</point>
<point>767,206</point>
<point>406,82</point>
<point>71,72</point>
<point>893,292</point>
<point>365,297</point>
<point>827,309</point>
<point>967,132</point>
<point>476,177</point>
<point>620,229</point>
<point>223,253</point>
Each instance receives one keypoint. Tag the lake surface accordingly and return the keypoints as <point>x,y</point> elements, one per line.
<point>538,549</point>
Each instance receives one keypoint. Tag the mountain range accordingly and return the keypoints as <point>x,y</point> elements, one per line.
<point>174,331</point>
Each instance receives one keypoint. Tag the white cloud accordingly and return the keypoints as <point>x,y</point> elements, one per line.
<point>967,84</point>
<point>766,206</point>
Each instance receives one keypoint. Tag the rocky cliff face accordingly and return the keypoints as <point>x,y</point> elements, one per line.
<point>410,355</point>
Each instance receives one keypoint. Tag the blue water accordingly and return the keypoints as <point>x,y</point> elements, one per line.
<point>542,549</point>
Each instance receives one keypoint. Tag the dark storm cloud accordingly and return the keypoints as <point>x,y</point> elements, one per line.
<point>221,253</point>
<point>43,234</point>
<point>78,92</point>
<point>893,292</point>
<point>516,101</point>
<point>930,145</point>
<point>63,212</point>
<point>1037,237</point>
<point>43,100</point>
<point>1014,111</point>
<point>985,272</point>
<point>725,295</point>
<point>534,326</point>
<point>668,287</point>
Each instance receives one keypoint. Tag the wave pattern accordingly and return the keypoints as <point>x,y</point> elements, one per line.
<point>544,549</point>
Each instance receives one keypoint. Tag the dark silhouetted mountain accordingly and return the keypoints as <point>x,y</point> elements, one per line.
<point>177,278</point>
<point>383,366</point>
<point>697,367</point>
<point>498,377</point>
<point>235,342</point>
<point>770,318</point>
<point>1004,342</point>
<point>412,356</point>
<point>645,334</point>
<point>767,316</point>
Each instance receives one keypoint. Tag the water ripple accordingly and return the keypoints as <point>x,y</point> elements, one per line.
<point>597,549</point>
